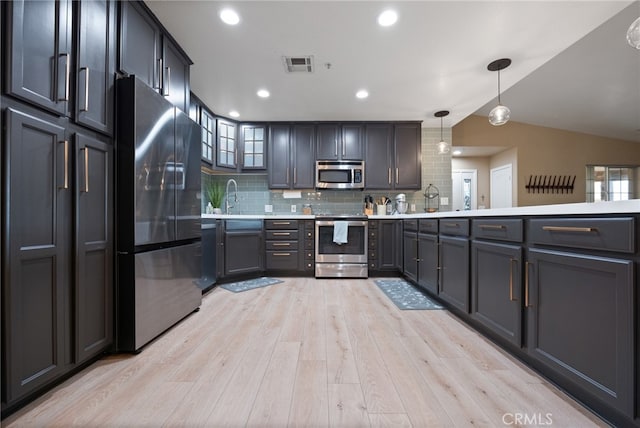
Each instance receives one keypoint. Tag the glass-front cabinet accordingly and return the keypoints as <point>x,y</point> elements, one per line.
<point>208,124</point>
<point>253,141</point>
<point>227,152</point>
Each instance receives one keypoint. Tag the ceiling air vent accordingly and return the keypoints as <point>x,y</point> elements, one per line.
<point>299,64</point>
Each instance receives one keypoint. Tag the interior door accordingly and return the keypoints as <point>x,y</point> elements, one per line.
<point>501,187</point>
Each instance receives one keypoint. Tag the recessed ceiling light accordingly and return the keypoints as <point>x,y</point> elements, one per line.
<point>457,152</point>
<point>234,113</point>
<point>229,16</point>
<point>362,93</point>
<point>263,93</point>
<point>387,18</point>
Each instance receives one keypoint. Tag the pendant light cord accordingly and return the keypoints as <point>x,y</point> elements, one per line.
<point>441,139</point>
<point>499,103</point>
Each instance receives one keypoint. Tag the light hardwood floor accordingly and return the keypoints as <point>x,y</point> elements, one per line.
<point>308,353</point>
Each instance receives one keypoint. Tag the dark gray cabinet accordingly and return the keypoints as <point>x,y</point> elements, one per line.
<point>580,305</point>
<point>382,245</point>
<point>96,64</point>
<point>241,247</point>
<point>253,146</point>
<point>454,262</point>
<point>340,141</point>
<point>290,154</point>
<point>496,276</point>
<point>57,292</point>
<point>41,67</point>
<point>393,156</point>
<point>428,266</point>
<point>282,244</point>
<point>148,52</point>
<point>39,53</point>
<point>410,249</point>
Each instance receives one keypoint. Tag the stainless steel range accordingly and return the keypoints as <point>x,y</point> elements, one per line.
<point>341,246</point>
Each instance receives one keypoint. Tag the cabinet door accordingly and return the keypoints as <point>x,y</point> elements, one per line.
<point>36,265</point>
<point>398,246</point>
<point>95,74</point>
<point>386,245</point>
<point>94,247</point>
<point>496,288</point>
<point>226,148</point>
<point>454,271</point>
<point>253,142</point>
<point>304,168</point>
<point>428,263</point>
<point>39,52</point>
<point>208,124</point>
<point>140,40</point>
<point>175,75</point>
<point>244,252</point>
<point>580,321</point>
<point>351,146</point>
<point>410,255</point>
<point>378,160</point>
<point>328,142</point>
<point>408,162</point>
<point>279,157</point>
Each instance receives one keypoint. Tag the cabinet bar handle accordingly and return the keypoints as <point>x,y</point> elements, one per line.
<point>281,233</point>
<point>492,226</point>
<point>397,175</point>
<point>344,149</point>
<point>282,254</point>
<point>452,225</point>
<point>160,73</point>
<point>66,165</point>
<point>336,150</point>
<point>86,169</point>
<point>281,223</point>
<point>166,89</point>
<point>389,175</point>
<point>526,284</point>
<point>569,229</point>
<point>295,175</point>
<point>86,89</point>
<point>67,72</point>
<point>287,175</point>
<point>281,244</point>
<point>511,279</point>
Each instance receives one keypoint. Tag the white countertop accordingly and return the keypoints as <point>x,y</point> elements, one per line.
<point>613,207</point>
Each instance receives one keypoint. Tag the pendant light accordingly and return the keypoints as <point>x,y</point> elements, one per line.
<point>500,114</point>
<point>633,34</point>
<point>443,146</point>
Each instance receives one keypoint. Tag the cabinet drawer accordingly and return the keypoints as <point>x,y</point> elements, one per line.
<point>611,234</point>
<point>452,226</point>
<point>410,224</point>
<point>428,225</point>
<point>282,245</point>
<point>281,224</point>
<point>285,260</point>
<point>282,235</point>
<point>498,229</point>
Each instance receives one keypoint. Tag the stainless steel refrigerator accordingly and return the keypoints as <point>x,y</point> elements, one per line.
<point>157,215</point>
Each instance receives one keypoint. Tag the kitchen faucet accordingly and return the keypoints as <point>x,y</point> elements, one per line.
<point>227,205</point>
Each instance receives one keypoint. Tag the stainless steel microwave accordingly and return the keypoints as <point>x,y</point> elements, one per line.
<point>343,175</point>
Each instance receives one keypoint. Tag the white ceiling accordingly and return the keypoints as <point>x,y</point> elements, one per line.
<point>434,58</point>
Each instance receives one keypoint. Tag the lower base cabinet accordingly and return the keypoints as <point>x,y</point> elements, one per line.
<point>580,322</point>
<point>428,262</point>
<point>496,288</point>
<point>242,248</point>
<point>454,271</point>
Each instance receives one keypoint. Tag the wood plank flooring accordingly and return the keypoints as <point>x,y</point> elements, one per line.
<point>307,353</point>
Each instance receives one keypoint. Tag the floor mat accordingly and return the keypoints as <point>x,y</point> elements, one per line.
<point>405,295</point>
<point>250,284</point>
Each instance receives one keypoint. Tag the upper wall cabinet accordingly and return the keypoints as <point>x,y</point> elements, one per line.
<point>253,142</point>
<point>227,145</point>
<point>291,160</point>
<point>149,53</point>
<point>340,141</point>
<point>393,160</point>
<point>41,67</point>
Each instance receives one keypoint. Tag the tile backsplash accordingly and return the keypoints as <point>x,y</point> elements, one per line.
<point>254,193</point>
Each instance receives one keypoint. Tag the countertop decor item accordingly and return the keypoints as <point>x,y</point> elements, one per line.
<point>431,199</point>
<point>500,114</point>
<point>215,193</point>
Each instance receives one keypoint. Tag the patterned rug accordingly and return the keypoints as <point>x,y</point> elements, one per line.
<point>405,295</point>
<point>250,284</point>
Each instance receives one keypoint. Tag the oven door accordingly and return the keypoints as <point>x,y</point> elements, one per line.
<point>353,251</point>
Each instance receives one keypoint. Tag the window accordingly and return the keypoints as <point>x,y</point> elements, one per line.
<point>226,144</point>
<point>208,135</point>
<point>610,183</point>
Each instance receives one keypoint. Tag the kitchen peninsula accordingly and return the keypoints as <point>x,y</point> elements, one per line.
<point>555,285</point>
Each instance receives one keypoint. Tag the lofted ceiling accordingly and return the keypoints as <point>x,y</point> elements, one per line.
<point>434,58</point>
